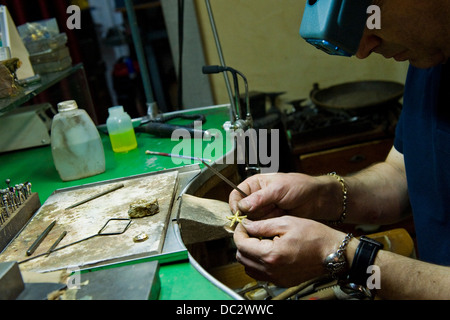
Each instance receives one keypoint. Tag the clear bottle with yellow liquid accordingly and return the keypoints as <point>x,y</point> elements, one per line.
<point>120,130</point>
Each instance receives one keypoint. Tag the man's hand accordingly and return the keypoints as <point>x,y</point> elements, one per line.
<point>272,195</point>
<point>285,250</point>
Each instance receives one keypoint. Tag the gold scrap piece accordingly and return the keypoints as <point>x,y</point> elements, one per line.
<point>140,237</point>
<point>236,218</point>
<point>143,208</point>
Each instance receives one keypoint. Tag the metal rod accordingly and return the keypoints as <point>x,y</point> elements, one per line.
<point>99,233</point>
<point>221,58</point>
<point>56,249</point>
<point>225,179</point>
<point>157,153</point>
<point>96,196</point>
<point>40,238</point>
<point>56,243</point>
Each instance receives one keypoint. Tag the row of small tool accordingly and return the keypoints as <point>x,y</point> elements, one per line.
<point>12,197</point>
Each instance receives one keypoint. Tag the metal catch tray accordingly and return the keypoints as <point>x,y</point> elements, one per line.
<point>85,220</point>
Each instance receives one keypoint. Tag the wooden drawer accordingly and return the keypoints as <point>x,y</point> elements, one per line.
<point>345,160</point>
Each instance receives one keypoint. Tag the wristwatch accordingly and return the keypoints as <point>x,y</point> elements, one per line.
<point>364,257</point>
<point>356,282</point>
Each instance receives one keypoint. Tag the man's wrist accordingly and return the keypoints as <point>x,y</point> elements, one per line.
<point>364,257</point>
<point>356,282</point>
<point>349,252</point>
<point>330,203</point>
<point>343,206</point>
<point>336,262</point>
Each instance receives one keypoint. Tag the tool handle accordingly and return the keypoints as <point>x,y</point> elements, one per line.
<point>225,179</point>
<point>196,117</point>
<point>75,242</point>
<point>213,69</point>
<point>96,196</point>
<point>165,130</point>
<point>56,243</point>
<point>38,241</point>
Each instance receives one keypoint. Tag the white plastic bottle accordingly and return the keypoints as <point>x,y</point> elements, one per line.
<point>77,148</point>
<point>120,130</point>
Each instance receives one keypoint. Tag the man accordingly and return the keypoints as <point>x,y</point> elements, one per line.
<point>286,239</point>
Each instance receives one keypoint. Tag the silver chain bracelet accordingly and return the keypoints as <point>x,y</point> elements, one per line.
<point>335,263</point>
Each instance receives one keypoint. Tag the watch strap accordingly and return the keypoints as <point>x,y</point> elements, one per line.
<point>364,257</point>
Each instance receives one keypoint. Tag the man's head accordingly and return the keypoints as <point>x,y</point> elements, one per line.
<point>414,30</point>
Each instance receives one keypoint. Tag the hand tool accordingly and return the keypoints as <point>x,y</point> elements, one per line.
<point>95,196</point>
<point>159,126</point>
<point>56,243</point>
<point>239,121</point>
<point>40,238</point>
<point>225,179</point>
<point>174,155</point>
<point>165,130</point>
<point>20,193</point>
<point>4,199</point>
<point>11,198</point>
<point>101,232</point>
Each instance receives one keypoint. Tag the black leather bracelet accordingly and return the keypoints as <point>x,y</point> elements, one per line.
<point>364,257</point>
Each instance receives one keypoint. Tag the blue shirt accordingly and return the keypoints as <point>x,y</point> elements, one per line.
<point>423,136</point>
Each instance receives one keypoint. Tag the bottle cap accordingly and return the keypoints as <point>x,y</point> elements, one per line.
<point>67,105</point>
<point>115,110</point>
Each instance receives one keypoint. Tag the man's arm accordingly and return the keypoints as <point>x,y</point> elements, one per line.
<point>405,278</point>
<point>287,251</point>
<point>376,195</point>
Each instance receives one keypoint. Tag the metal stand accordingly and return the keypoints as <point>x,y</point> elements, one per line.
<point>221,58</point>
<point>151,104</point>
<point>236,123</point>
